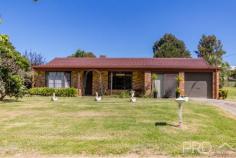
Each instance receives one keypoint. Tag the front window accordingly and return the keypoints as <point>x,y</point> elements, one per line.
<point>120,80</point>
<point>58,79</point>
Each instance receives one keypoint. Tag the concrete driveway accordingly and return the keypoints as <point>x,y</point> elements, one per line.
<point>228,106</point>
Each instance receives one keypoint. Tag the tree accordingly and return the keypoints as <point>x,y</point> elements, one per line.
<point>169,46</point>
<point>13,66</point>
<point>81,54</point>
<point>34,58</point>
<point>233,74</point>
<point>211,49</point>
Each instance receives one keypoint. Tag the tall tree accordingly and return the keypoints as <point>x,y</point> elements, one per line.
<point>34,58</point>
<point>12,69</point>
<point>170,47</point>
<point>211,49</point>
<point>81,53</point>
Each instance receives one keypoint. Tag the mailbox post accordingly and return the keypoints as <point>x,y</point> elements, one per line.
<point>180,102</point>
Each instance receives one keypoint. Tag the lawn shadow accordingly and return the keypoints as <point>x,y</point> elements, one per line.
<point>10,100</point>
<point>162,123</point>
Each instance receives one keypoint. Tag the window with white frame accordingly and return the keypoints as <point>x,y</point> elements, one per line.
<point>58,79</point>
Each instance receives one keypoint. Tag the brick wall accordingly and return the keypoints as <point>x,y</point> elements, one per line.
<point>39,79</point>
<point>97,80</point>
<point>137,80</point>
<point>147,83</point>
<point>74,79</point>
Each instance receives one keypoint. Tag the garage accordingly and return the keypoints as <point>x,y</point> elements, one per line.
<point>198,85</point>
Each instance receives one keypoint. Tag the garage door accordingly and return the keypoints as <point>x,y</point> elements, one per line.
<point>198,85</point>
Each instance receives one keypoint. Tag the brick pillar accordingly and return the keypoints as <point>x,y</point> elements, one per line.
<point>79,83</point>
<point>82,82</point>
<point>181,83</point>
<point>137,80</point>
<point>147,83</point>
<point>76,81</point>
<point>215,84</point>
<point>97,80</point>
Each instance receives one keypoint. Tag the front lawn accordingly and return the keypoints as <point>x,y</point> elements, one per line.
<point>81,126</point>
<point>231,93</point>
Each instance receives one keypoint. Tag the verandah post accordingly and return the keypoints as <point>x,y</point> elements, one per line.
<point>111,82</point>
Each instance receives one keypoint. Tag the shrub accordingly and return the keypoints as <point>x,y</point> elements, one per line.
<point>179,78</point>
<point>177,92</point>
<point>16,86</point>
<point>154,76</point>
<point>223,93</point>
<point>124,94</point>
<point>61,92</point>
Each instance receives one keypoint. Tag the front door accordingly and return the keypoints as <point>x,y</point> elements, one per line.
<point>165,85</point>
<point>88,80</point>
<point>169,85</point>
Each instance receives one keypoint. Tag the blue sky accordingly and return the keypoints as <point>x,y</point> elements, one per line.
<point>117,28</point>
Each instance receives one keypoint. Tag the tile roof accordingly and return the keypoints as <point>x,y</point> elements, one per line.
<point>127,63</point>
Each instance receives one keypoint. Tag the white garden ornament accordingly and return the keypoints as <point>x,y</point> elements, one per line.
<point>132,99</point>
<point>54,98</point>
<point>98,98</point>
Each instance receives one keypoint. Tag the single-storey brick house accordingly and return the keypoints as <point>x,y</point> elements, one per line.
<point>113,75</point>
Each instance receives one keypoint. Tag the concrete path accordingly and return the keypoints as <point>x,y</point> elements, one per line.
<point>228,106</point>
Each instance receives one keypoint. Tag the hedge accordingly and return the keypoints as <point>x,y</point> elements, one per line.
<point>61,92</point>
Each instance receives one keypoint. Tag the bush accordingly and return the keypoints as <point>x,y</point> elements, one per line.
<point>223,93</point>
<point>177,92</point>
<point>124,94</point>
<point>61,92</point>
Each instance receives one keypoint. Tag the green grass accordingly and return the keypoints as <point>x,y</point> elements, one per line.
<point>231,93</point>
<point>113,126</point>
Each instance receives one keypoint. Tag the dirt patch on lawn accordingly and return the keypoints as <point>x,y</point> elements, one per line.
<point>6,115</point>
<point>86,114</point>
